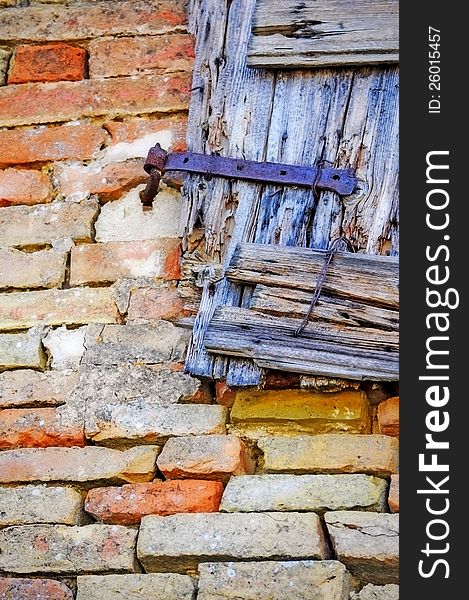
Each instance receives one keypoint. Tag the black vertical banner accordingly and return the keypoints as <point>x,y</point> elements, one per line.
<point>434,252</point>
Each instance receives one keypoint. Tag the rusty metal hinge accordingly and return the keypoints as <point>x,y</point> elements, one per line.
<point>341,181</point>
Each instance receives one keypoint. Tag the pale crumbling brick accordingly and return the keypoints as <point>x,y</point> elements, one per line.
<point>274,580</point>
<point>30,504</point>
<point>318,493</point>
<point>68,549</point>
<point>27,388</point>
<point>22,350</point>
<point>179,542</point>
<point>151,586</point>
<point>24,226</point>
<point>367,543</point>
<point>43,269</point>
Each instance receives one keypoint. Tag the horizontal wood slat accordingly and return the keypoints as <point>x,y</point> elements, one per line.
<point>323,33</point>
<point>353,331</point>
<point>368,278</point>
<point>285,302</point>
<point>323,349</point>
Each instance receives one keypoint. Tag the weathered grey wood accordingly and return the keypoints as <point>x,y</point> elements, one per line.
<point>323,348</point>
<point>365,278</point>
<point>323,33</point>
<point>293,303</point>
<point>300,117</point>
<point>229,115</point>
<point>369,143</point>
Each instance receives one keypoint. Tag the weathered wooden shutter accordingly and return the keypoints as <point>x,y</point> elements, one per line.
<point>347,117</point>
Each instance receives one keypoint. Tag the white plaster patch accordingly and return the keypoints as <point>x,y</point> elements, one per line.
<point>125,220</point>
<point>66,347</point>
<point>148,267</point>
<point>136,149</point>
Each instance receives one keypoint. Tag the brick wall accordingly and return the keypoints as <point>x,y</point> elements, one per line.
<point>121,476</point>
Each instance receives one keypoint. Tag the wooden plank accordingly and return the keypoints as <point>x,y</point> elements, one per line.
<point>323,33</point>
<point>361,277</point>
<point>292,303</point>
<point>323,348</point>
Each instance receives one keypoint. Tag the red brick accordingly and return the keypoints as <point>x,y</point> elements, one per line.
<point>225,395</point>
<point>109,182</point>
<point>78,22</point>
<point>12,588</point>
<point>134,129</point>
<point>393,499</point>
<point>278,380</point>
<point>113,260</point>
<point>24,187</point>
<point>388,416</point>
<point>155,303</point>
<point>110,57</point>
<point>28,103</point>
<point>50,62</point>
<point>21,146</point>
<point>37,428</point>
<point>126,505</point>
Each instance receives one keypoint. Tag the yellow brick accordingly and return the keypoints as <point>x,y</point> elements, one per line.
<point>287,411</point>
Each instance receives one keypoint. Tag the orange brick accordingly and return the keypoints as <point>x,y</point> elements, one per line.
<point>110,57</point>
<point>388,416</point>
<point>173,261</point>
<point>13,588</point>
<point>134,129</point>
<point>155,303</point>
<point>91,465</point>
<point>49,62</point>
<point>205,457</point>
<point>78,21</point>
<point>28,103</point>
<point>224,394</point>
<point>126,505</point>
<point>113,260</point>
<point>21,146</point>
<point>37,428</point>
<point>109,182</point>
<point>24,187</point>
<point>393,499</point>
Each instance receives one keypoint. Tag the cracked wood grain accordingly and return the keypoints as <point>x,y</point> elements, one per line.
<point>319,33</point>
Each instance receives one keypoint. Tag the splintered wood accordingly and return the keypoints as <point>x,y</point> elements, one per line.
<point>353,331</point>
<point>319,33</point>
<point>344,117</point>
